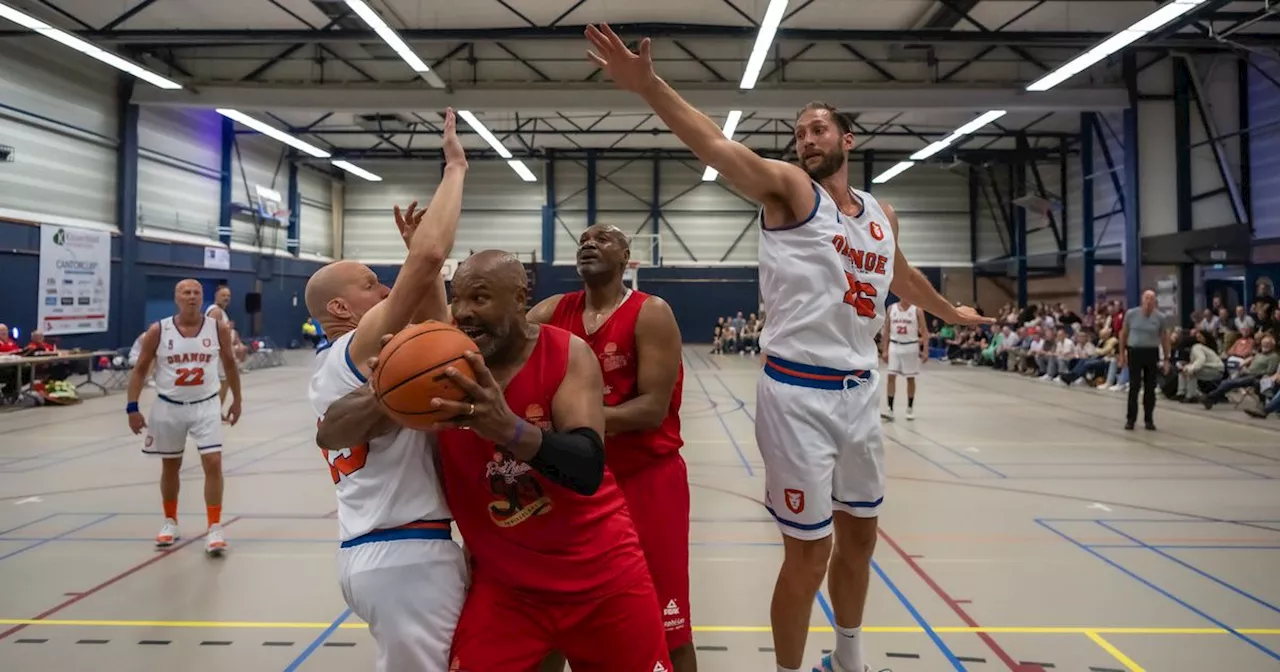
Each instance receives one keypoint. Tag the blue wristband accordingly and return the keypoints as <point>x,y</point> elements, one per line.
<point>519,432</point>
<point>131,407</point>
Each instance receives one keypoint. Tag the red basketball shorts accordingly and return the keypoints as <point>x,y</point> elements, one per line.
<point>502,630</point>
<point>658,499</point>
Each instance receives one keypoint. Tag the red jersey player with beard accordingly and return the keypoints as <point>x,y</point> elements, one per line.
<point>556,561</point>
<point>637,340</point>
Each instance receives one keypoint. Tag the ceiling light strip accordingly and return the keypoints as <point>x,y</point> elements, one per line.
<point>356,170</point>
<point>730,126</point>
<point>1157,19</point>
<point>393,40</point>
<point>86,48</point>
<point>481,130</point>
<point>273,133</point>
<point>937,146</point>
<point>764,40</point>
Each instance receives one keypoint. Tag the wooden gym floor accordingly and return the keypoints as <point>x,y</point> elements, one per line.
<point>1023,530</point>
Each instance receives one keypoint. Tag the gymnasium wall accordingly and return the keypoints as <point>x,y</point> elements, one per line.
<point>1264,154</point>
<point>179,169</point>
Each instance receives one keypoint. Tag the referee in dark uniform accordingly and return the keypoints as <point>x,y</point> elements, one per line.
<point>1144,335</point>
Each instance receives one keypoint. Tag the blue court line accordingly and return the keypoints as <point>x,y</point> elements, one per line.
<point>42,542</point>
<point>706,360</point>
<point>742,456</point>
<point>1237,590</point>
<point>942,646</point>
<point>311,648</point>
<point>742,402</point>
<point>826,608</point>
<point>40,520</point>
<point>1116,464</point>
<point>1133,575</point>
<point>924,457</point>
<point>245,449</point>
<point>1156,520</point>
<point>65,459</point>
<point>1182,547</point>
<point>953,451</point>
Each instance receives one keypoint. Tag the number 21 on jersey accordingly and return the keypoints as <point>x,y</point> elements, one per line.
<point>861,296</point>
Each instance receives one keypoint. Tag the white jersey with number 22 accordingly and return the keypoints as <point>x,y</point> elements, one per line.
<point>824,281</point>
<point>187,368</point>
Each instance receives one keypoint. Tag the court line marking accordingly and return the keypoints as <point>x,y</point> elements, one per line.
<point>880,629</point>
<point>315,644</point>
<point>1115,653</point>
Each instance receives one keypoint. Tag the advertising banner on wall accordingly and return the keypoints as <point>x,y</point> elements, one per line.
<point>75,280</point>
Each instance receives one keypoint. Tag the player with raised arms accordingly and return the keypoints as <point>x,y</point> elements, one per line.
<point>828,259</point>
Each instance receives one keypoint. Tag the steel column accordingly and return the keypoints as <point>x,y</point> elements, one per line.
<point>591,188</point>
<point>868,170</point>
<point>1132,206</point>
<point>1018,185</point>
<point>132,281</point>
<point>655,212</point>
<point>1182,93</point>
<point>293,237</point>
<point>973,232</point>
<point>1246,138</point>
<point>224,181</point>
<point>1088,293</point>
<point>549,211</point>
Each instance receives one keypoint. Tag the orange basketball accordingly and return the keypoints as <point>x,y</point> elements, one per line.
<point>411,368</point>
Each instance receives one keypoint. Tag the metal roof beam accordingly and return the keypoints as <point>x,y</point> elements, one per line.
<point>552,98</point>
<point>581,153</point>
<point>578,129</point>
<point>1065,39</point>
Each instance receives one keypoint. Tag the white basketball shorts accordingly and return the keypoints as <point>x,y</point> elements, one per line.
<point>410,592</point>
<point>171,423</point>
<point>904,359</point>
<point>822,448</point>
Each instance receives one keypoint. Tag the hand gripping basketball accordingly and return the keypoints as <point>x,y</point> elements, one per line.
<point>488,413</point>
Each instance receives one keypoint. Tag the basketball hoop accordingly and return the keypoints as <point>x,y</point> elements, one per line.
<point>631,276</point>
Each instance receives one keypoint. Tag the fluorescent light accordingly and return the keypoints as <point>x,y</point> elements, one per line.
<point>483,132</point>
<point>356,170</point>
<point>978,123</point>
<point>764,39</point>
<point>273,133</point>
<point>932,149</point>
<point>1157,19</point>
<point>893,172</point>
<point>522,170</point>
<point>388,35</point>
<point>730,125</point>
<point>90,50</point>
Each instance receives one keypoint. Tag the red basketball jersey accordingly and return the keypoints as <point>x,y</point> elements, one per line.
<point>615,345</point>
<point>524,531</point>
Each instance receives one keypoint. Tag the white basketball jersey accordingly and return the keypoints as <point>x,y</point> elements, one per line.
<point>824,282</point>
<point>389,482</point>
<point>187,368</point>
<point>210,310</point>
<point>903,324</point>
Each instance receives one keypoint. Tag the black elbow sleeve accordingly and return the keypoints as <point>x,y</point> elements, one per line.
<point>573,459</point>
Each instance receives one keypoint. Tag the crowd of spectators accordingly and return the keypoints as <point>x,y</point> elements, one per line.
<point>1224,355</point>
<point>737,334</point>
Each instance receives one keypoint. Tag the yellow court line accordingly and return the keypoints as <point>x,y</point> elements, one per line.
<point>893,629</point>
<point>1115,653</point>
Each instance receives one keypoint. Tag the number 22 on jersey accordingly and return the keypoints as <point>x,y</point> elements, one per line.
<point>189,377</point>
<point>861,296</point>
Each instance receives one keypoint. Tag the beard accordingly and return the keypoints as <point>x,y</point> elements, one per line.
<point>830,163</point>
<point>489,338</point>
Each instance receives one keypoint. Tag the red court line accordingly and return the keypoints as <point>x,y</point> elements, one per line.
<point>996,649</point>
<point>111,581</point>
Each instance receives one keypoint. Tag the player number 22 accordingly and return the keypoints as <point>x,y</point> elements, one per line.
<point>189,378</point>
<point>861,296</point>
<point>346,461</point>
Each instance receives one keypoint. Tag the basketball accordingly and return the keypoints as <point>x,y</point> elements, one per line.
<point>411,369</point>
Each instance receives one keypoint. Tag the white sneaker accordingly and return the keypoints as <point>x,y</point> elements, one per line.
<point>168,535</point>
<point>214,543</point>
<point>911,414</point>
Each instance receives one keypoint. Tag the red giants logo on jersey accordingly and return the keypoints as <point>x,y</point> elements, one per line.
<point>536,416</point>
<point>869,262</point>
<point>520,495</point>
<point>610,360</point>
<point>190,358</point>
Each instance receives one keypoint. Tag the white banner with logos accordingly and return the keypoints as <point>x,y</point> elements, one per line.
<point>75,280</point>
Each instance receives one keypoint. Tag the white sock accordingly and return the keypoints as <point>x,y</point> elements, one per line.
<point>848,655</point>
<point>787,669</point>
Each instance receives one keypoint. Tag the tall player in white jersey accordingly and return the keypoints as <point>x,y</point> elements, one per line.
<point>904,346</point>
<point>828,258</point>
<point>218,311</point>
<point>399,569</point>
<point>186,350</point>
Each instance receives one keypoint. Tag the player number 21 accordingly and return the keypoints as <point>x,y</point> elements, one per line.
<point>189,378</point>
<point>861,296</point>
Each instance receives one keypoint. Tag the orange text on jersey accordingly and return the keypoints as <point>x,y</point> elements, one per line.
<point>190,358</point>
<point>866,261</point>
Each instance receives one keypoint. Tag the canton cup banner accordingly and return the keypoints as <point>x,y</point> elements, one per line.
<point>75,280</point>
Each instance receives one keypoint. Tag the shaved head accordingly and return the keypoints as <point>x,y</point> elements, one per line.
<point>496,267</point>
<point>188,295</point>
<point>490,289</point>
<point>340,293</point>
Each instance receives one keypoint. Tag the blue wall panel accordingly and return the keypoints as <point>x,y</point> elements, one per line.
<point>1264,149</point>
<point>162,264</point>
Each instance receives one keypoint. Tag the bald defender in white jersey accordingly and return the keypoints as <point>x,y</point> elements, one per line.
<point>399,569</point>
<point>904,346</point>
<point>186,350</point>
<point>828,258</point>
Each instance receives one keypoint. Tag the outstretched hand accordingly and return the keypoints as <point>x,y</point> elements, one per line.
<point>407,222</point>
<point>629,70</point>
<point>969,317</point>
<point>453,153</point>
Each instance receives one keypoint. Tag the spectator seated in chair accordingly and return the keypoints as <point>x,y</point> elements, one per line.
<point>8,346</point>
<point>1272,386</point>
<point>1241,349</point>
<point>1204,367</point>
<point>1262,364</point>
